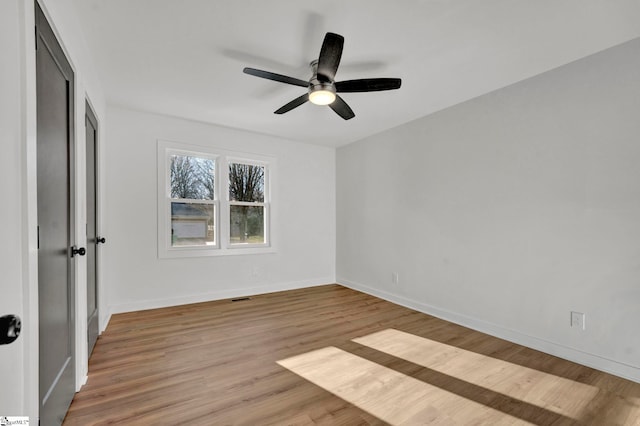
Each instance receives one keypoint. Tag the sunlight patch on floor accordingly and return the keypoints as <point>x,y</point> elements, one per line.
<point>388,394</point>
<point>526,384</point>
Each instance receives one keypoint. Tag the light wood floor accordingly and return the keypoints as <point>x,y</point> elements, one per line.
<point>331,355</point>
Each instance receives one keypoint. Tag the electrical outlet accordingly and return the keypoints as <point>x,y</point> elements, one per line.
<point>395,278</point>
<point>577,320</point>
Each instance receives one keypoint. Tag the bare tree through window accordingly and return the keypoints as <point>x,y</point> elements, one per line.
<point>246,197</point>
<point>192,221</point>
<point>192,178</point>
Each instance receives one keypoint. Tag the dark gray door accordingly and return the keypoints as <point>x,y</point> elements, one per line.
<point>56,293</point>
<point>91,125</point>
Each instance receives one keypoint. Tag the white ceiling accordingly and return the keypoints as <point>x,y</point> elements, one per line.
<point>185,58</point>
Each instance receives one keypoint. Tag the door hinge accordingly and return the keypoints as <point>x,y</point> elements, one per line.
<point>38,237</point>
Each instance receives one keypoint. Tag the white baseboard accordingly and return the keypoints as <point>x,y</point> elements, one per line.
<point>598,362</point>
<point>215,295</point>
<point>82,380</point>
<point>104,321</point>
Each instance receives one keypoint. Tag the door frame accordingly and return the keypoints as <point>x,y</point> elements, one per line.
<point>30,208</point>
<point>91,116</point>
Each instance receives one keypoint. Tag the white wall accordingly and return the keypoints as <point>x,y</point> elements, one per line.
<point>305,228</point>
<point>508,211</point>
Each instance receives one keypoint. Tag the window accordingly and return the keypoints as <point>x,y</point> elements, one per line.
<point>196,217</point>
<point>246,203</point>
<point>192,201</point>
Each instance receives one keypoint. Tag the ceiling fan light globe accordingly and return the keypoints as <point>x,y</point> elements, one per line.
<point>322,97</point>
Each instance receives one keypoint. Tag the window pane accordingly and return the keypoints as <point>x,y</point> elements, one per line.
<point>192,224</point>
<point>246,182</point>
<point>247,224</point>
<point>192,177</point>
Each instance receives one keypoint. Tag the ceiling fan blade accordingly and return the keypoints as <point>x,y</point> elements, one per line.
<point>293,104</point>
<point>342,109</point>
<point>368,85</point>
<point>330,55</point>
<point>276,77</point>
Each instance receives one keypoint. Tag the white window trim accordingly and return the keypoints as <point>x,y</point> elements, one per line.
<point>221,202</point>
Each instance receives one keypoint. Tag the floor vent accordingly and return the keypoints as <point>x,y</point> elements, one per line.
<point>240,299</point>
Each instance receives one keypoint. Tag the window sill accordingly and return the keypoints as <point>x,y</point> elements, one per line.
<point>213,252</point>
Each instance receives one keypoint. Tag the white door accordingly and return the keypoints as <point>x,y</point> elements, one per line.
<point>12,377</point>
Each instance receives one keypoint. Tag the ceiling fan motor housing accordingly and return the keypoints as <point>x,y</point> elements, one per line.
<point>320,92</point>
<point>315,85</point>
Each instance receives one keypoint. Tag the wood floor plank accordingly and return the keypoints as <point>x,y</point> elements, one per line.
<point>216,363</point>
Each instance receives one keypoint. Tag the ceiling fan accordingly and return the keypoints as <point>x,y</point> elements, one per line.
<point>322,87</point>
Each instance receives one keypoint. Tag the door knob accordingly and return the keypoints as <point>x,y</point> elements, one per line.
<point>100,240</point>
<point>78,251</point>
<point>10,326</point>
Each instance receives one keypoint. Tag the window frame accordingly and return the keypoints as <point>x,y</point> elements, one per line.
<point>221,202</point>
